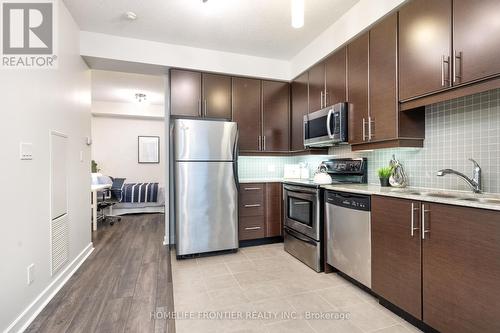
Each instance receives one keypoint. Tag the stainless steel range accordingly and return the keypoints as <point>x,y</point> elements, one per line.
<point>303,210</point>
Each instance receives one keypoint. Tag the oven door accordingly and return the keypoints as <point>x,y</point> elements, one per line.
<point>301,210</point>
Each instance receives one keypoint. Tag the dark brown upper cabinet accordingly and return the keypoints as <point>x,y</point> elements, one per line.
<point>357,88</point>
<point>185,93</point>
<point>424,47</point>
<point>300,107</point>
<point>383,87</point>
<point>335,78</point>
<point>247,112</point>
<point>374,117</point>
<point>317,87</point>
<point>216,96</point>
<point>195,94</point>
<point>275,116</point>
<point>476,45</point>
<point>396,252</point>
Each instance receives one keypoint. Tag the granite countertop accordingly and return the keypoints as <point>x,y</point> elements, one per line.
<point>450,197</point>
<point>260,180</point>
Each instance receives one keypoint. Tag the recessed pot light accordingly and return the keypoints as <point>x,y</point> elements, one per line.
<point>131,16</point>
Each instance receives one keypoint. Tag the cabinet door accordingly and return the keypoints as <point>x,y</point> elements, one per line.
<point>185,93</point>
<point>476,35</point>
<point>424,38</point>
<point>216,96</point>
<point>461,269</point>
<point>396,270</point>
<point>316,87</point>
<point>335,68</point>
<point>247,112</point>
<point>275,115</point>
<point>300,105</point>
<point>383,79</point>
<point>357,87</point>
<point>273,210</point>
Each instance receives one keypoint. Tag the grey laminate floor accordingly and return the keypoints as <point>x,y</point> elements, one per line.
<point>125,279</point>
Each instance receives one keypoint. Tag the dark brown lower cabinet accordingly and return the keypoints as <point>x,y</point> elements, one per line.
<point>457,260</point>
<point>396,253</point>
<point>259,210</point>
<point>461,269</point>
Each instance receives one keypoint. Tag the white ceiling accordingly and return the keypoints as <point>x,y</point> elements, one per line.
<point>108,86</point>
<point>252,27</point>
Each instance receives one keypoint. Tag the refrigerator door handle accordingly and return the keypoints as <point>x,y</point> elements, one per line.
<point>235,160</point>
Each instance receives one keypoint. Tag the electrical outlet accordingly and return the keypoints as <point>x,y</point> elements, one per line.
<point>31,274</point>
<point>26,151</point>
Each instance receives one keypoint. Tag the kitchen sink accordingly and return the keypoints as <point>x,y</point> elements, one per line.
<point>484,200</point>
<point>441,195</point>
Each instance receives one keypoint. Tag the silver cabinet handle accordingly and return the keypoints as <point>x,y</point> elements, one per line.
<point>321,98</point>
<point>205,107</point>
<point>424,211</point>
<point>301,203</point>
<point>326,98</point>
<point>252,228</point>
<point>199,107</point>
<point>444,60</point>
<point>364,129</point>
<point>370,134</point>
<point>260,143</point>
<point>412,226</point>
<point>457,57</point>
<point>264,142</point>
<point>252,188</point>
<point>252,206</point>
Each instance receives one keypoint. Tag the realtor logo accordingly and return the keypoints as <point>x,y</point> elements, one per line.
<point>28,34</point>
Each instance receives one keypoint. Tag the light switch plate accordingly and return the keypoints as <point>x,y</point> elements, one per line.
<point>31,274</point>
<point>26,151</point>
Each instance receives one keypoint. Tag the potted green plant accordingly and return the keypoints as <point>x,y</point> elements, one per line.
<point>94,167</point>
<point>384,174</point>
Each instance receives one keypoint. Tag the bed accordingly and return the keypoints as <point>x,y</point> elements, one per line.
<point>157,206</point>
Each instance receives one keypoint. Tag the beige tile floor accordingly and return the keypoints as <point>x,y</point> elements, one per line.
<point>267,290</point>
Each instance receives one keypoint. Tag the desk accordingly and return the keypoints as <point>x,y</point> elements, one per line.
<point>94,189</point>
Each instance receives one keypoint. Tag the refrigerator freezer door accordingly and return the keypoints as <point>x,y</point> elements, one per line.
<point>204,140</point>
<point>206,200</point>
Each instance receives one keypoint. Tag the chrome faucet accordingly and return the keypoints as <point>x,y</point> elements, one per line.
<point>474,183</point>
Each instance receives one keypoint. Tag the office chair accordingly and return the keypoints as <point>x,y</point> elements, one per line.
<point>110,198</point>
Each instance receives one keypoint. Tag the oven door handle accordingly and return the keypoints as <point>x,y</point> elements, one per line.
<point>299,190</point>
<point>299,237</point>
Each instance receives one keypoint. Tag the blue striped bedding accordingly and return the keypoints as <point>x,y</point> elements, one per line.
<point>140,192</point>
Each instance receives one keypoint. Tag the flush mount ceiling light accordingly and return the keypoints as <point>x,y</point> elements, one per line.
<point>297,13</point>
<point>131,16</point>
<point>140,97</point>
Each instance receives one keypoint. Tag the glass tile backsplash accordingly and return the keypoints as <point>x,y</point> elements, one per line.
<point>455,130</point>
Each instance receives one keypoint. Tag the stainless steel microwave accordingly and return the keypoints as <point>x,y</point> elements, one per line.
<point>326,127</point>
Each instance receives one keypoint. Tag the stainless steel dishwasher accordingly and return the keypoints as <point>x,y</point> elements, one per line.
<point>348,230</point>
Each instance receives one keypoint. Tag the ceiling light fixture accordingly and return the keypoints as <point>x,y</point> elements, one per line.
<point>297,13</point>
<point>140,97</point>
<point>131,16</point>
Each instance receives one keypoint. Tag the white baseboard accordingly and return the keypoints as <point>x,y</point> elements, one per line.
<point>22,322</point>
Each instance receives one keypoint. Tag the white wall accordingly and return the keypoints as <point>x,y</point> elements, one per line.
<point>33,103</point>
<point>170,55</point>
<point>127,109</point>
<point>114,148</point>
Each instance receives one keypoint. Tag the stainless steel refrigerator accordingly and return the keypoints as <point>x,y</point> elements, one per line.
<point>206,185</point>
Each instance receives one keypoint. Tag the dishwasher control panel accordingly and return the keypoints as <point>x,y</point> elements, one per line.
<point>348,200</point>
